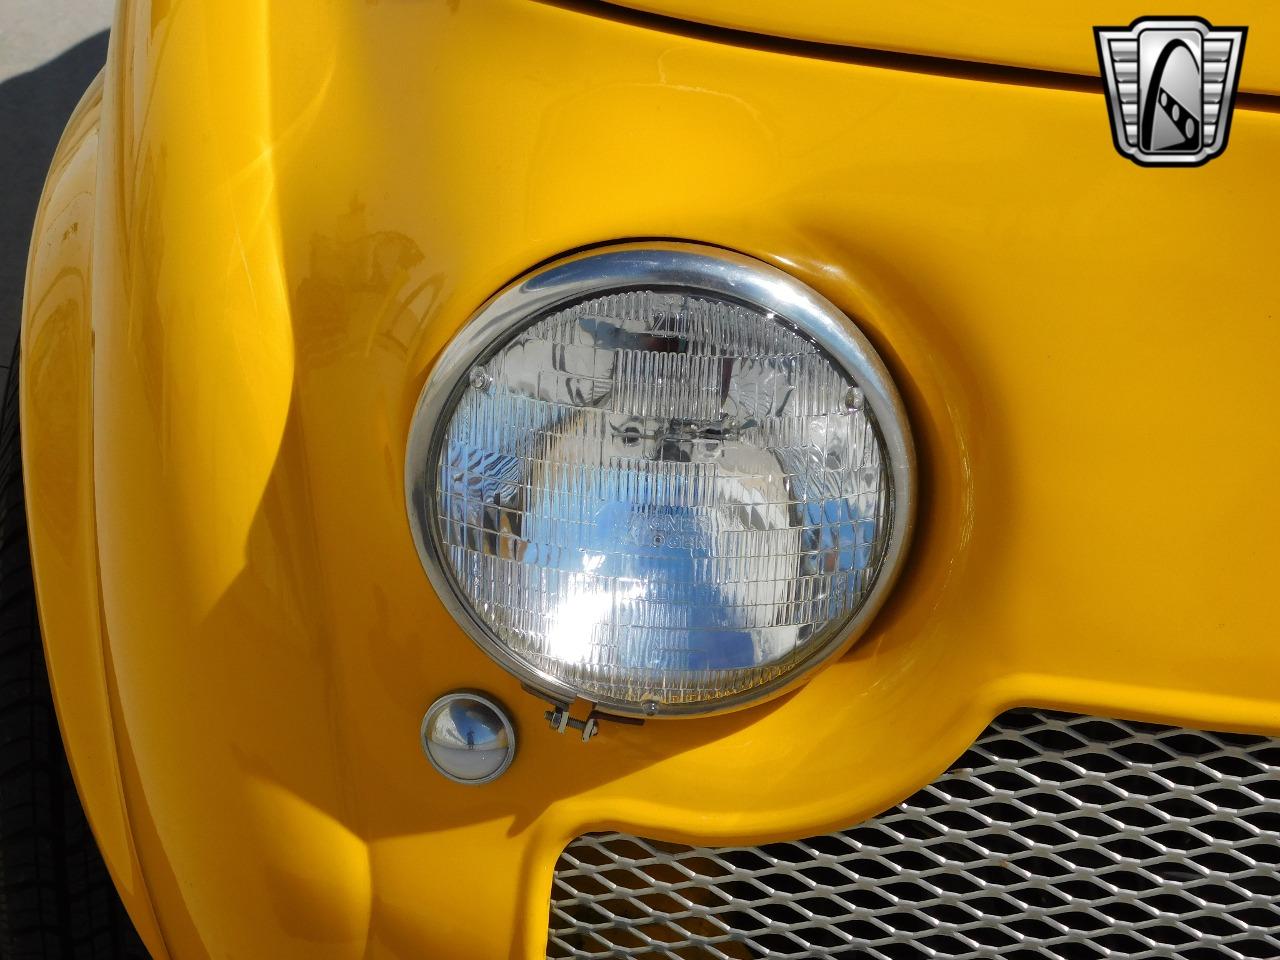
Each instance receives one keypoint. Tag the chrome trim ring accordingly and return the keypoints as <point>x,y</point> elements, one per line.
<point>711,270</point>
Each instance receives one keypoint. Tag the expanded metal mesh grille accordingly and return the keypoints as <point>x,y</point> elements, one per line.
<point>1053,836</point>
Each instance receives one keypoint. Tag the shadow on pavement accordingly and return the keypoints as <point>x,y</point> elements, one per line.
<point>34,108</point>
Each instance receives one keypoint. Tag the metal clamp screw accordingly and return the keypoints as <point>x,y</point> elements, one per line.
<point>560,721</point>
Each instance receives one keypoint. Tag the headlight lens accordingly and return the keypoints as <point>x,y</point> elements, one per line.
<point>667,479</point>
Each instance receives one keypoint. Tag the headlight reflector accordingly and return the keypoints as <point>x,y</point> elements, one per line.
<point>665,478</point>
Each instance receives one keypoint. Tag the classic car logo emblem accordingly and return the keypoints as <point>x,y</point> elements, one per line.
<point>1171,82</point>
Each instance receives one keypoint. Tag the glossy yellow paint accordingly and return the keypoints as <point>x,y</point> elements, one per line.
<point>299,203</point>
<point>56,400</point>
<point>1046,36</point>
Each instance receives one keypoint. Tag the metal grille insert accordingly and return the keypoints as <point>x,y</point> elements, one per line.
<point>1054,835</point>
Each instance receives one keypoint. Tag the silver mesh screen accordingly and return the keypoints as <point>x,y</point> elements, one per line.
<point>1053,836</point>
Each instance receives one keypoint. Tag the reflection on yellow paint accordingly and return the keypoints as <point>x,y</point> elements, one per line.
<point>296,209</point>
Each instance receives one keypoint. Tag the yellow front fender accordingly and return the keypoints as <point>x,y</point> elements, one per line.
<point>297,206</point>
<point>57,398</point>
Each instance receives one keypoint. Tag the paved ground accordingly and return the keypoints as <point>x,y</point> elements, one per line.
<point>49,51</point>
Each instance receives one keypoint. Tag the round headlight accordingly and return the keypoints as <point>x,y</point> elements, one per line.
<point>665,478</point>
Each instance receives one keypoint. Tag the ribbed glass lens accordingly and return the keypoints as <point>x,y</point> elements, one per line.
<point>660,497</point>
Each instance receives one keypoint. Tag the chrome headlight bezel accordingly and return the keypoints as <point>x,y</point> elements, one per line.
<point>716,272</point>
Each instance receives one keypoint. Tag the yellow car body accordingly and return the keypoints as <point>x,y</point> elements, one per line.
<point>265,222</point>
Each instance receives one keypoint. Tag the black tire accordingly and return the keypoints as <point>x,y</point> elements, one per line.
<point>57,901</point>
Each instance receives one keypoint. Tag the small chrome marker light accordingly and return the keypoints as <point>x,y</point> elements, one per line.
<point>468,737</point>
<point>668,479</point>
